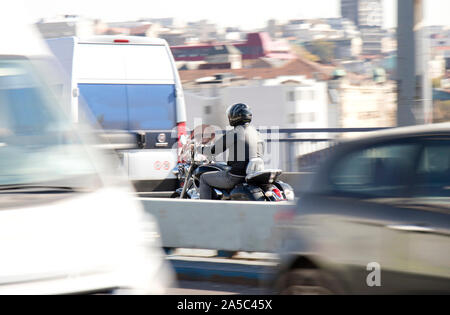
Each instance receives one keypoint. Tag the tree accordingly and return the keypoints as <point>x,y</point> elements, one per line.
<point>302,52</point>
<point>436,82</point>
<point>441,111</point>
<point>323,49</point>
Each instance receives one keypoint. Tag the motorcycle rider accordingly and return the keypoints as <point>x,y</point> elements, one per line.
<point>242,143</point>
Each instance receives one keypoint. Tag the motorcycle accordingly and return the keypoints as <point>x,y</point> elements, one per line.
<point>259,184</point>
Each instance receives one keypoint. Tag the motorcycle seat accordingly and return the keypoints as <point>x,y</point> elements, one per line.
<point>223,166</point>
<point>263,177</point>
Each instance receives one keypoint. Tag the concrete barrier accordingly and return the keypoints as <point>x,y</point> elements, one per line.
<point>221,225</point>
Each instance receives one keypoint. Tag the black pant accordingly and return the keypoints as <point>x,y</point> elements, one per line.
<point>219,179</point>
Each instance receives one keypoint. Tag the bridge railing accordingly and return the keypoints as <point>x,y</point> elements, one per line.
<point>297,142</point>
<point>290,143</point>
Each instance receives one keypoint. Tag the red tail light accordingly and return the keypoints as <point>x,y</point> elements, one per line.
<point>121,41</point>
<point>181,132</point>
<point>277,192</point>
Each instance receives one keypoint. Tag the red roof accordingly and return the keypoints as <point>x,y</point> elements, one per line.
<point>257,45</point>
<point>298,66</point>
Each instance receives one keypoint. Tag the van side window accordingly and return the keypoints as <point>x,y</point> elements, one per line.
<point>378,171</point>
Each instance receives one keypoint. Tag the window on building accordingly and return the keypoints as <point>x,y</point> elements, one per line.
<point>292,118</point>
<point>291,96</point>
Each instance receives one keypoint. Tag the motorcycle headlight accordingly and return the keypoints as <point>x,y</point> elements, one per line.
<point>289,194</point>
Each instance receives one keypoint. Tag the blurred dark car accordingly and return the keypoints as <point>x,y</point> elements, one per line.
<point>375,220</point>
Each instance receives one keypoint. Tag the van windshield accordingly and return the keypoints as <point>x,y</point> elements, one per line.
<point>37,142</point>
<point>130,106</point>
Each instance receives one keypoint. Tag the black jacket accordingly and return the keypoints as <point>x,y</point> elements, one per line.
<point>242,143</point>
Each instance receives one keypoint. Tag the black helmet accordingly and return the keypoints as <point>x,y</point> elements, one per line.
<point>239,114</point>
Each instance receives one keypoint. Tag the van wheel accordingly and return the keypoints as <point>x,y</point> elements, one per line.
<point>307,282</point>
<point>175,195</point>
<point>169,250</point>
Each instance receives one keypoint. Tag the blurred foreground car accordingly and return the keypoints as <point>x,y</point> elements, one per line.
<point>375,220</point>
<point>68,222</point>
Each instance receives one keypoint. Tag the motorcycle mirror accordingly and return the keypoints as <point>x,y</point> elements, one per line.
<point>203,134</point>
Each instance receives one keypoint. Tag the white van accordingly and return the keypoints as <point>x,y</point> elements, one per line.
<point>131,84</point>
<point>68,221</point>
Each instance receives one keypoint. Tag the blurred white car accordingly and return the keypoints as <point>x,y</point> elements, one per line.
<point>69,221</point>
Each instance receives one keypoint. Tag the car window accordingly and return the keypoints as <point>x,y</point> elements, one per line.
<point>433,172</point>
<point>378,171</point>
<point>37,141</point>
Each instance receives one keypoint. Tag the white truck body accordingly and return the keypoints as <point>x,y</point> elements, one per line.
<point>131,84</point>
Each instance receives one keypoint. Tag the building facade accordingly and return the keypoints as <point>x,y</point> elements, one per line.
<point>350,9</point>
<point>65,26</point>
<point>368,17</point>
<point>363,12</point>
<point>372,40</point>
<point>283,102</point>
<point>362,105</point>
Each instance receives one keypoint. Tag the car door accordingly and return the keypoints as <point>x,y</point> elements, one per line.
<point>367,188</point>
<point>429,232</point>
